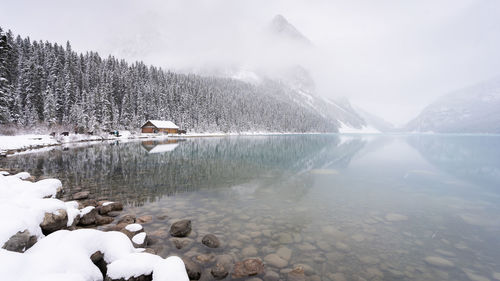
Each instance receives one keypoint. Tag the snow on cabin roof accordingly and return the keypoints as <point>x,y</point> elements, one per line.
<point>160,124</point>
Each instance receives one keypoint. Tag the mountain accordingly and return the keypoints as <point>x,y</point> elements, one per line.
<point>375,121</point>
<point>281,28</point>
<point>474,109</point>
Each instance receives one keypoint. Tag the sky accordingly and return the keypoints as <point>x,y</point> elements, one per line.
<point>388,57</point>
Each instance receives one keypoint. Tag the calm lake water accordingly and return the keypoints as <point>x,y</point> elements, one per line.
<point>346,207</point>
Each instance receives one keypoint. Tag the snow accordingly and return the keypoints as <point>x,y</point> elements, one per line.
<point>133,227</point>
<point>27,201</point>
<point>346,129</point>
<point>32,144</point>
<point>107,203</point>
<point>160,124</point>
<point>139,238</point>
<point>86,210</point>
<point>65,255</point>
<point>25,141</point>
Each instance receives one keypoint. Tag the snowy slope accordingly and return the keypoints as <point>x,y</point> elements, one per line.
<point>474,109</point>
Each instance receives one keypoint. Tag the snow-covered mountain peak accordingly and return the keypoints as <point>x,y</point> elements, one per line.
<point>280,27</point>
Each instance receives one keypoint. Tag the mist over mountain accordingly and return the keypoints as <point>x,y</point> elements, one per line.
<point>474,109</point>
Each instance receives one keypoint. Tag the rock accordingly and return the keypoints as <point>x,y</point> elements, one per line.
<point>113,213</point>
<point>439,262</point>
<point>249,251</point>
<point>193,269</point>
<point>133,278</point>
<point>89,218</point>
<point>275,260</point>
<point>20,242</point>
<point>248,267</point>
<point>139,240</point>
<point>206,258</point>
<point>297,274</point>
<point>87,203</point>
<point>180,228</point>
<point>181,243</point>
<point>475,277</point>
<point>97,258</point>
<point>144,219</point>
<point>81,195</point>
<point>308,270</point>
<point>210,241</point>
<point>102,220</point>
<point>284,253</point>
<point>127,219</point>
<point>393,217</point>
<point>226,260</point>
<point>285,238</point>
<point>219,272</point>
<point>132,229</point>
<point>271,276</point>
<point>160,234</point>
<point>54,221</point>
<point>109,207</point>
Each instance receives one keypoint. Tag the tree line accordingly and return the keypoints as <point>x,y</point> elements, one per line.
<point>47,85</point>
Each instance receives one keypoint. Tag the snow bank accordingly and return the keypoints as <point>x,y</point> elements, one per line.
<point>25,141</point>
<point>23,204</point>
<point>65,255</point>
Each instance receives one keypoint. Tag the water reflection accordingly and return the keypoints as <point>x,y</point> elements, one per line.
<point>141,172</point>
<point>474,159</point>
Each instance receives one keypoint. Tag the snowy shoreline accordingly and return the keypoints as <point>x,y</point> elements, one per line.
<point>34,236</point>
<point>31,143</point>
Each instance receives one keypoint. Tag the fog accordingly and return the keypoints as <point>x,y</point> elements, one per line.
<point>390,58</point>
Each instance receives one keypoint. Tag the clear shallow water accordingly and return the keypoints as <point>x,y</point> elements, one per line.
<point>351,208</point>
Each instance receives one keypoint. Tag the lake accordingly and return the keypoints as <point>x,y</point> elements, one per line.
<point>396,207</point>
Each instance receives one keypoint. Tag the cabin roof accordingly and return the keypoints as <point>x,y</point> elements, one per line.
<point>161,124</point>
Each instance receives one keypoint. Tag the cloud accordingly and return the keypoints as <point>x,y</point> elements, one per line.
<point>390,57</point>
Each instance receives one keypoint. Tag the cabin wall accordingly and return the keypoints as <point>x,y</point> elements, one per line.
<point>147,130</point>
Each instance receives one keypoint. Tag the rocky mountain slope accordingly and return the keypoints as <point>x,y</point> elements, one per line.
<point>474,109</point>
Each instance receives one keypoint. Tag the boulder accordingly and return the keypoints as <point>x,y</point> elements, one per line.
<point>102,220</point>
<point>20,242</point>
<point>180,228</point>
<point>132,229</point>
<point>297,274</point>
<point>210,241</point>
<point>248,267</point>
<point>140,240</point>
<point>219,271</point>
<point>144,219</point>
<point>181,243</point>
<point>54,221</point>
<point>275,261</point>
<point>88,218</point>
<point>107,207</point>
<point>81,195</point>
<point>127,219</point>
<point>193,269</point>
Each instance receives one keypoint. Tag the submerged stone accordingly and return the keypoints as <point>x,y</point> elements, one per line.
<point>248,267</point>
<point>180,228</point>
<point>439,262</point>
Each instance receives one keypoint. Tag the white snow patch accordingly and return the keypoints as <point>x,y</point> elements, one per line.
<point>4,173</point>
<point>133,227</point>
<point>107,203</point>
<point>346,129</point>
<point>65,255</point>
<point>139,238</point>
<point>86,210</point>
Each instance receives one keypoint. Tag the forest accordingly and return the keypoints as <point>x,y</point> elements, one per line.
<point>47,85</point>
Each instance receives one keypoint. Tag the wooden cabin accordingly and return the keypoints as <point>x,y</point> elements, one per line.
<point>159,126</point>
